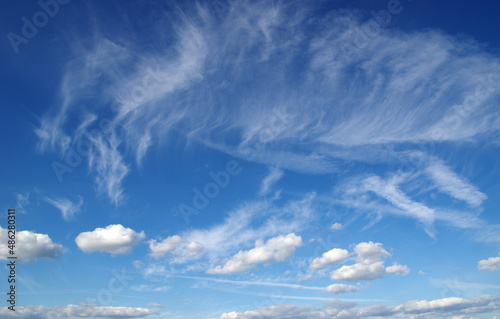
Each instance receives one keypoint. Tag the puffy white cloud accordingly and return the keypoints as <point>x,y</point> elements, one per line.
<point>160,249</point>
<point>370,251</point>
<point>114,239</point>
<point>30,246</point>
<point>336,226</point>
<point>194,248</point>
<point>182,247</point>
<point>341,289</point>
<point>329,258</point>
<point>397,269</point>
<point>74,312</point>
<point>276,249</point>
<point>439,308</point>
<point>359,271</point>
<point>369,264</point>
<point>491,264</point>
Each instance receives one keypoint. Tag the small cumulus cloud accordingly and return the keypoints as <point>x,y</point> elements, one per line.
<point>336,226</point>
<point>30,246</point>
<point>114,239</point>
<point>491,264</point>
<point>276,249</point>
<point>331,257</point>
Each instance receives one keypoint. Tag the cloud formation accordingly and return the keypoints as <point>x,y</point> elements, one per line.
<point>276,249</point>
<point>331,257</point>
<point>68,208</point>
<point>439,308</point>
<point>369,264</point>
<point>75,311</point>
<point>491,264</point>
<point>454,185</point>
<point>275,174</point>
<point>341,289</point>
<point>388,101</point>
<point>397,269</point>
<point>182,247</point>
<point>30,246</point>
<point>114,239</point>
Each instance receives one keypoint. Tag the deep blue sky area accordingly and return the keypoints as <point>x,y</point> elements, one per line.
<point>251,159</point>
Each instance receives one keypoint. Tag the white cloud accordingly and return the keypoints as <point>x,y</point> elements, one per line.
<point>359,271</point>
<point>369,264</point>
<point>341,289</point>
<point>68,208</point>
<point>452,304</point>
<point>336,226</point>
<point>276,249</point>
<point>491,264</point>
<point>370,251</point>
<point>397,269</point>
<point>391,199</point>
<point>458,187</point>
<point>250,222</point>
<point>194,248</point>
<point>182,247</point>
<point>401,106</point>
<point>108,165</point>
<point>30,246</point>
<point>420,272</point>
<point>114,239</point>
<point>439,308</point>
<point>23,201</point>
<point>157,305</point>
<point>159,250</point>
<point>275,174</point>
<point>389,190</point>
<point>328,258</point>
<point>75,311</point>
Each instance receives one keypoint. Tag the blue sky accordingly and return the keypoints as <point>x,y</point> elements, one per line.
<point>252,159</point>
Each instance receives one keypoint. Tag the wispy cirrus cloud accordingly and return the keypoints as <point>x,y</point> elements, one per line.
<point>275,174</point>
<point>392,195</point>
<point>68,208</point>
<point>405,88</point>
<point>456,186</point>
<point>253,221</point>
